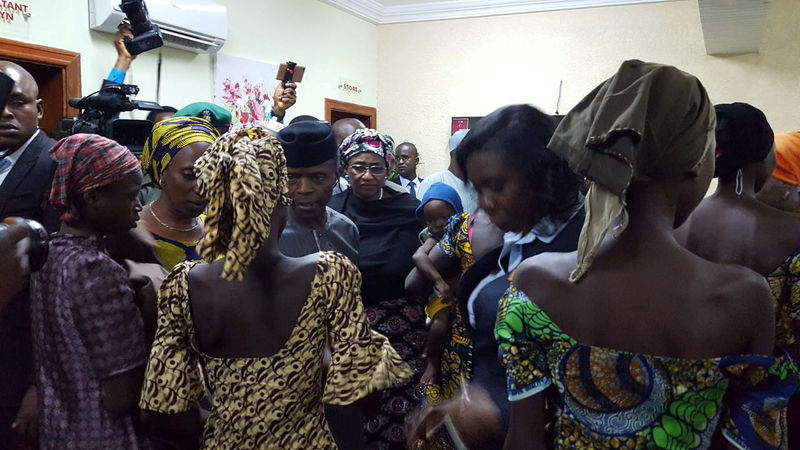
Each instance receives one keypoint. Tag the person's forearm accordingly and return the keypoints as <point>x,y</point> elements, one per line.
<point>427,269</point>
<point>417,284</point>
<point>123,63</point>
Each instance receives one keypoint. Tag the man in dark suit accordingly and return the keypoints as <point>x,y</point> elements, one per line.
<point>407,160</point>
<point>26,172</point>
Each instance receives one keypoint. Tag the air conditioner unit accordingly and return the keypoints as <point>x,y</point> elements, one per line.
<point>199,26</point>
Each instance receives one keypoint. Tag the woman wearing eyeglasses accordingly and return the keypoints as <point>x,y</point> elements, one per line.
<point>388,230</point>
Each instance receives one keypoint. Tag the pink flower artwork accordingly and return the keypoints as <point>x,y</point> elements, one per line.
<point>245,100</point>
<point>244,87</point>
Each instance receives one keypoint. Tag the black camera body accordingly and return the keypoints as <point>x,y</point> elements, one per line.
<point>35,245</point>
<point>147,35</point>
<point>100,111</point>
<point>6,85</point>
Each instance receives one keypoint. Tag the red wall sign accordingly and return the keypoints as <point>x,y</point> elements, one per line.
<point>13,11</point>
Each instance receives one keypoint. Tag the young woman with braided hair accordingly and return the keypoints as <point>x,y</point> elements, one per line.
<point>252,325</point>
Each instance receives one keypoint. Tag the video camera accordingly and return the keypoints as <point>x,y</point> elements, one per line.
<point>34,246</point>
<point>6,85</point>
<point>99,113</point>
<point>147,34</point>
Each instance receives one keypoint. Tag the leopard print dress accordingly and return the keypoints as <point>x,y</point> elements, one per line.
<point>273,402</point>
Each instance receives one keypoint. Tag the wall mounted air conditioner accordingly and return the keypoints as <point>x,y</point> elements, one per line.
<point>199,26</point>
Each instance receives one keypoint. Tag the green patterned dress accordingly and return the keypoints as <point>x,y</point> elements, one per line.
<point>605,398</point>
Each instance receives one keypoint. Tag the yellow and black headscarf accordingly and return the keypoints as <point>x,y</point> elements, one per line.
<point>168,138</point>
<point>243,177</point>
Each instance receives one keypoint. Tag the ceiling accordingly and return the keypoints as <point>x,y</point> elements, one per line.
<point>398,11</point>
<point>405,2</point>
<point>729,26</point>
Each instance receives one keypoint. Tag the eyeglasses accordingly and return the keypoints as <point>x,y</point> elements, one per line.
<point>360,170</point>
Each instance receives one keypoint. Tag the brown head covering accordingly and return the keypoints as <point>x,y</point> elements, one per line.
<point>668,117</point>
<point>243,176</point>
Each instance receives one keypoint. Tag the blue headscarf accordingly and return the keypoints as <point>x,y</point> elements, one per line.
<point>443,192</point>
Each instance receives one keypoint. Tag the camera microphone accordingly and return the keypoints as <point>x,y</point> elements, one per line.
<point>103,103</point>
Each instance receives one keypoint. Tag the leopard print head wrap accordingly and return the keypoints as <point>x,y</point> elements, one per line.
<point>243,177</point>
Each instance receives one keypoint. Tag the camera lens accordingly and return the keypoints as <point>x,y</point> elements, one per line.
<point>38,247</point>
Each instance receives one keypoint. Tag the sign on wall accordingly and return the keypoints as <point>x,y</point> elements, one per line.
<point>14,18</point>
<point>349,90</point>
<point>244,87</point>
<point>463,123</point>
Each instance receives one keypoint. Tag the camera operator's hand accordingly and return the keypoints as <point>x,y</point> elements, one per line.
<point>13,271</point>
<point>285,97</point>
<point>124,58</point>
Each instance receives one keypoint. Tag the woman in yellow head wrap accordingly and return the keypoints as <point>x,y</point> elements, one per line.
<point>168,158</point>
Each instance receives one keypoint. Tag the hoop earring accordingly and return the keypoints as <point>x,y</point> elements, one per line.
<point>739,182</point>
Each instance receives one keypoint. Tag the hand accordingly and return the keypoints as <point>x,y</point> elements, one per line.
<point>445,291</point>
<point>13,269</point>
<point>285,97</point>
<point>26,424</point>
<point>124,57</point>
<point>430,375</point>
<point>473,414</point>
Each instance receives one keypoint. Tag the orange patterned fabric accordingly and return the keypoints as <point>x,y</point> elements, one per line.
<point>787,148</point>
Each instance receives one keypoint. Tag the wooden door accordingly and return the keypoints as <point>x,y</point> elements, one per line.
<point>335,110</point>
<point>56,71</point>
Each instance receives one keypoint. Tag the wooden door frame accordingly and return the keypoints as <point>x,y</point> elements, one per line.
<point>352,108</point>
<point>69,63</point>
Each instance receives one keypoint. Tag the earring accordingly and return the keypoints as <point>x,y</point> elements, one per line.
<point>739,182</point>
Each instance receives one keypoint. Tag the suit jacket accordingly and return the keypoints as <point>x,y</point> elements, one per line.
<point>26,189</point>
<point>396,179</point>
<point>24,193</point>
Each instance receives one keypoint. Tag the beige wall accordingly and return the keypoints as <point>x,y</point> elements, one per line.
<point>329,42</point>
<point>430,72</point>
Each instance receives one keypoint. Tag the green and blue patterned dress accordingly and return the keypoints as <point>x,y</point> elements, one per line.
<point>605,398</point>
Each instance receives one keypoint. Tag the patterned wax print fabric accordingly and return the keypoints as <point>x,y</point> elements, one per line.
<point>785,285</point>
<point>402,320</point>
<point>86,329</point>
<point>273,402</point>
<point>612,399</point>
<point>457,355</point>
<point>173,253</point>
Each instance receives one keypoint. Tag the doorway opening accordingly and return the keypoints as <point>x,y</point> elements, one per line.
<point>335,110</point>
<point>56,71</point>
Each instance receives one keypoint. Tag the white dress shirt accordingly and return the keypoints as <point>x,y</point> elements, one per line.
<point>513,245</point>
<point>417,183</point>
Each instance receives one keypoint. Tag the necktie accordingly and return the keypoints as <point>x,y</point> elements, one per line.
<point>5,165</point>
<point>411,189</point>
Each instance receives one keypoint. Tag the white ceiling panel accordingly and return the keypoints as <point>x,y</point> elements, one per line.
<point>399,11</point>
